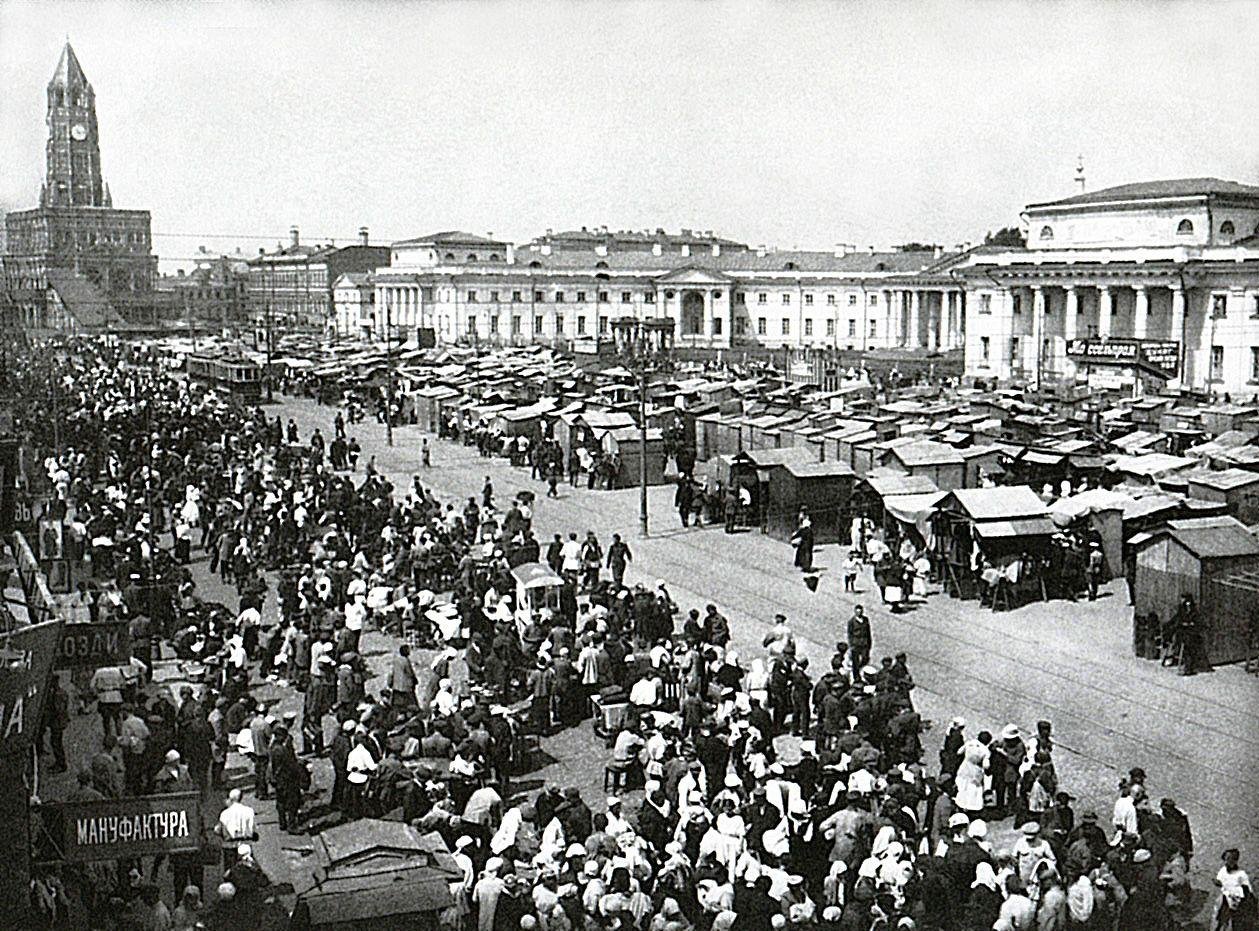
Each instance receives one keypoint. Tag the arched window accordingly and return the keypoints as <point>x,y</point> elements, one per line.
<point>535,264</point>
<point>494,257</point>
<point>601,264</point>
<point>669,295</point>
<point>790,266</point>
<point>1046,232</point>
<point>450,256</point>
<point>880,266</point>
<point>1184,228</point>
<point>471,256</point>
<point>1227,228</point>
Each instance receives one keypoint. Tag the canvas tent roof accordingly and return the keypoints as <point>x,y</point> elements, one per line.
<point>1213,537</point>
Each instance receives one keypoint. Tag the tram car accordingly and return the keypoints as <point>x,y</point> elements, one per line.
<point>236,375</point>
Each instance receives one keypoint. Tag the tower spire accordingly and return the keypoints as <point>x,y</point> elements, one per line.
<point>69,72</point>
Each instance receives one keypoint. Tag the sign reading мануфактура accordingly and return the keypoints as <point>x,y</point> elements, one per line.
<point>131,827</point>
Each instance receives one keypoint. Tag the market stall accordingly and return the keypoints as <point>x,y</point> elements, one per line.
<point>1215,560</point>
<point>1004,530</point>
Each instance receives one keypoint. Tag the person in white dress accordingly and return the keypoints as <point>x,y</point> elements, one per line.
<point>970,777</point>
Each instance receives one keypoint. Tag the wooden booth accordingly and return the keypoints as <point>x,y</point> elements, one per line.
<point>824,488</point>
<point>1005,529</point>
<point>1216,561</point>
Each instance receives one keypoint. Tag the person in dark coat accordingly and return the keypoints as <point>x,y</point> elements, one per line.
<point>288,775</point>
<point>683,498</point>
<point>1145,909</point>
<point>341,747</point>
<point>803,542</point>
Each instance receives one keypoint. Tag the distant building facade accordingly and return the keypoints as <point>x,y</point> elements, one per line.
<point>353,306</point>
<point>215,292</point>
<point>76,230</point>
<point>719,293</point>
<point>1125,269</point>
<point>291,288</point>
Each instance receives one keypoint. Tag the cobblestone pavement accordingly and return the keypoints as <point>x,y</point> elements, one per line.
<point>1072,664</point>
<point>1196,737</point>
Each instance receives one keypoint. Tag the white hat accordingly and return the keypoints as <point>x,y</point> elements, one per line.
<point>978,829</point>
<point>574,850</point>
<point>464,841</point>
<point>958,820</point>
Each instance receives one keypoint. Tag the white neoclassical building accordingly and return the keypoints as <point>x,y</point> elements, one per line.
<point>720,294</point>
<point>1157,269</point>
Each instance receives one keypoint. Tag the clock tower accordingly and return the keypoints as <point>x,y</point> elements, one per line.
<point>74,154</point>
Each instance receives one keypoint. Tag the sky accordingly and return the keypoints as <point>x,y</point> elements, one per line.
<point>792,124</point>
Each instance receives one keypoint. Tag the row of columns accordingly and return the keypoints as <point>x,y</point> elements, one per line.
<point>908,309</point>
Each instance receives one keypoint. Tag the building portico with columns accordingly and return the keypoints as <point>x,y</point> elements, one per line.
<point>1159,261</point>
<point>718,293</point>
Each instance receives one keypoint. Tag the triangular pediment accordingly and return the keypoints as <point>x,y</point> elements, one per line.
<point>693,274</point>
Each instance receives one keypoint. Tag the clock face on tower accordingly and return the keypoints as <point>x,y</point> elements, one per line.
<point>78,132</point>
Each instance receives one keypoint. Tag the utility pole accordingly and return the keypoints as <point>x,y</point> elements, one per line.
<point>270,300</point>
<point>642,440</point>
<point>388,378</point>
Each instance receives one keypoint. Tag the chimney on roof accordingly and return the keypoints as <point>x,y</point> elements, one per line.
<point>716,249</point>
<point>1079,174</point>
<point>760,251</point>
<point>938,251</point>
<point>549,231</point>
<point>583,229</point>
<point>659,230</point>
<point>511,254</point>
<point>686,248</point>
<point>546,248</point>
<point>294,237</point>
<point>844,248</point>
<point>262,251</point>
<point>603,230</point>
<point>656,248</point>
<point>601,248</point>
<point>362,235</point>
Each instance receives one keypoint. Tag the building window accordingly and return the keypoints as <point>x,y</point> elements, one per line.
<point>740,298</point>
<point>808,326</point>
<point>515,297</point>
<point>581,297</point>
<point>786,326</point>
<point>786,298</point>
<point>830,300</point>
<point>559,297</point>
<point>716,326</point>
<point>1046,232</point>
<point>1018,303</point>
<point>874,328</point>
<point>852,300</point>
<point>984,349</point>
<point>1254,311</point>
<point>808,300</point>
<point>1227,228</point>
<point>493,324</point>
<point>471,297</point>
<point>493,297</point>
<point>1254,363</point>
<point>537,323</point>
<point>852,328</point>
<point>830,327</point>
<point>1219,306</point>
<point>581,325</point>
<point>668,295</point>
<point>740,326</point>
<point>1217,363</point>
<point>649,297</point>
<point>515,325</point>
<point>760,326</point>
<point>985,303</point>
<point>472,324</point>
<point>471,256</point>
<point>603,297</point>
<point>762,298</point>
<point>537,296</point>
<point>874,299</point>
<point>1184,228</point>
<point>627,297</point>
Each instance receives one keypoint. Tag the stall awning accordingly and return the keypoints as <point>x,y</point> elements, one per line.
<point>1019,527</point>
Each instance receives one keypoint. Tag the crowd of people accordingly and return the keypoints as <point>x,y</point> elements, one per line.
<point>743,789</point>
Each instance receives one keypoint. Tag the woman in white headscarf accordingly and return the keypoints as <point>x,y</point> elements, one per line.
<point>758,682</point>
<point>983,902</point>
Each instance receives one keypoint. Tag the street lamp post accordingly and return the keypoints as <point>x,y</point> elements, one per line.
<point>642,446</point>
<point>388,378</point>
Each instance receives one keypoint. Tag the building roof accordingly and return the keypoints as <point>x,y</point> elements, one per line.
<point>69,72</point>
<point>817,469</point>
<point>1156,190</point>
<point>451,238</point>
<point>1002,502</point>
<point>926,453</point>
<point>1226,480</point>
<point>764,458</point>
<point>1214,537</point>
<point>82,299</point>
<point>782,261</point>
